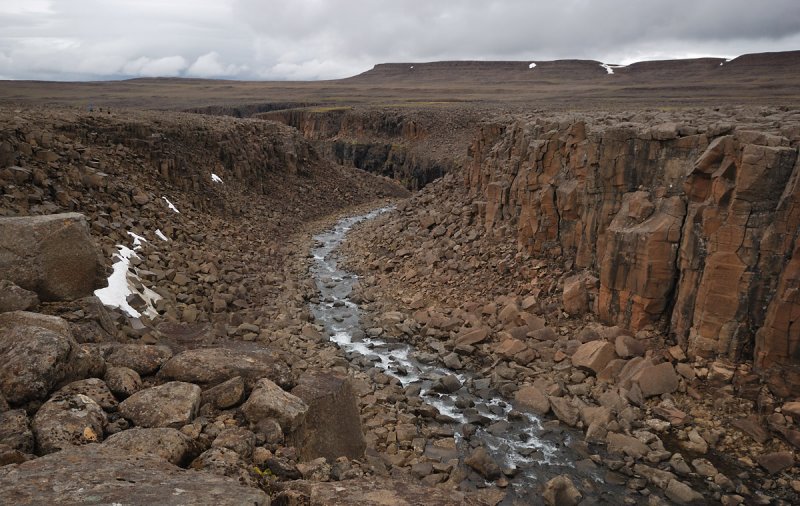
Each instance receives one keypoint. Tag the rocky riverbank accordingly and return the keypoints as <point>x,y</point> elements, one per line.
<point>502,270</point>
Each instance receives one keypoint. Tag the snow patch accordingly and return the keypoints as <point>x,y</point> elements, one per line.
<point>215,178</point>
<point>532,65</point>
<point>161,235</point>
<point>169,204</point>
<point>610,68</point>
<point>121,283</point>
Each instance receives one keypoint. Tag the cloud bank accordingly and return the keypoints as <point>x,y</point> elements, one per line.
<point>326,39</point>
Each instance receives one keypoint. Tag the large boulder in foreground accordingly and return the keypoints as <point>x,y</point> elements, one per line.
<point>212,366</point>
<point>96,474</point>
<point>332,426</point>
<point>53,256</point>
<point>38,353</point>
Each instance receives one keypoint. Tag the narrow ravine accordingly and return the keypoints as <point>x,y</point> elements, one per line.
<point>528,450</point>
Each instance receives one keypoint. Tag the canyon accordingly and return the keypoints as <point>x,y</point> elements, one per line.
<point>576,292</point>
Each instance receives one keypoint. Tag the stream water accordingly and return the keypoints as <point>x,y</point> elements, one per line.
<point>530,451</point>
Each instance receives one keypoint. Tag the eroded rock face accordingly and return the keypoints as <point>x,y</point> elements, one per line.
<point>53,256</point>
<point>91,474</point>
<point>691,225</point>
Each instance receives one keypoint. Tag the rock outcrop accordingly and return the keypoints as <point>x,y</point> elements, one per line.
<point>53,256</point>
<point>687,223</point>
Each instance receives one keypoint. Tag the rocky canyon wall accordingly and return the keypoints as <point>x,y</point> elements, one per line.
<point>397,144</point>
<point>692,225</point>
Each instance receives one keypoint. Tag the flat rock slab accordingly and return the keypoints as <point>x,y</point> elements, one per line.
<point>374,491</point>
<point>211,366</point>
<point>172,404</point>
<point>97,475</point>
<point>53,256</point>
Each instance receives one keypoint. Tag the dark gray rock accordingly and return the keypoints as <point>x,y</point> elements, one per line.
<point>15,298</point>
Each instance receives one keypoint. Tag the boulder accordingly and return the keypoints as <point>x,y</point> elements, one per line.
<point>619,444</point>
<point>211,366</point>
<point>776,462</point>
<point>533,399</point>
<point>123,381</point>
<point>628,347</point>
<point>594,355</point>
<point>15,298</point>
<point>560,491</point>
<point>240,440</point>
<point>142,358</point>
<point>93,388</point>
<point>52,255</point>
<point>225,395</point>
<point>268,400</point>
<point>332,425</point>
<point>172,404</point>
<point>96,474</point>
<point>225,462</point>
<point>68,420</point>
<point>681,493</point>
<point>38,353</point>
<point>576,294</point>
<point>162,442</point>
<point>472,336</point>
<point>564,410</point>
<point>15,431</point>
<point>657,379</point>
<point>483,464</point>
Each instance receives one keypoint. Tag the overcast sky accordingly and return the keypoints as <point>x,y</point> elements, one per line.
<point>324,39</point>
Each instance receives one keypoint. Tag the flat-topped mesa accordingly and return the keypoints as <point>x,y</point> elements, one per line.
<point>691,225</point>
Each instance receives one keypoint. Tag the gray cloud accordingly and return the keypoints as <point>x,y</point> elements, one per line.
<point>312,39</point>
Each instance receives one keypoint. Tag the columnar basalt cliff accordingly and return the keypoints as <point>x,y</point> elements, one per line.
<point>691,224</point>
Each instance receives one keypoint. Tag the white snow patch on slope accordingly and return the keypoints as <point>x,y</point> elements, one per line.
<point>215,178</point>
<point>170,205</point>
<point>137,239</point>
<point>120,284</point>
<point>610,68</point>
<point>532,65</point>
<point>161,235</point>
